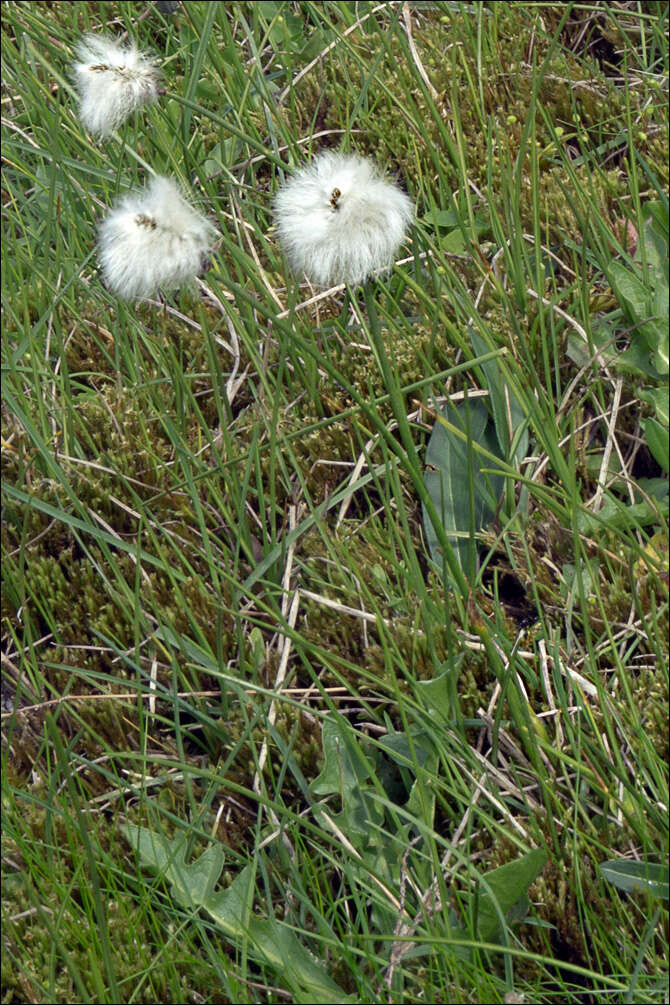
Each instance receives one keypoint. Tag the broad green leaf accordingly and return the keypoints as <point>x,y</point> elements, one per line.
<point>500,890</point>
<point>655,488</point>
<point>630,291</point>
<point>464,494</point>
<point>642,289</point>
<point>636,877</point>
<point>454,243</point>
<point>617,514</point>
<point>508,414</point>
<point>421,802</point>
<point>275,944</point>
<point>346,766</point>
<point>635,360</point>
<point>437,695</point>
<point>658,441</point>
<point>659,399</point>
<point>661,332</point>
<point>366,788</point>
<point>655,238</point>
<point>402,751</point>
<point>230,907</point>
<point>270,942</point>
<point>347,772</point>
<point>441,218</point>
<point>500,898</point>
<point>405,754</point>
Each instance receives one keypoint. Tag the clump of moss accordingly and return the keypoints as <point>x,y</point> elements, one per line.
<point>137,937</point>
<point>650,695</point>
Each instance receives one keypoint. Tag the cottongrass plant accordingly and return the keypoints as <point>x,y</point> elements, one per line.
<point>340,221</point>
<point>153,239</point>
<point>113,81</point>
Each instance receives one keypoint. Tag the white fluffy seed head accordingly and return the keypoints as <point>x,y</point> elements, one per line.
<point>113,81</point>
<point>153,239</point>
<point>340,221</point>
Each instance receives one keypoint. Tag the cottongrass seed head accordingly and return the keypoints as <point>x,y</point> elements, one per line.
<point>113,80</point>
<point>340,221</point>
<point>153,239</point>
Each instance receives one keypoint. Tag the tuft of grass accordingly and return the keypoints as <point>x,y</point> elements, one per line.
<point>260,742</point>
